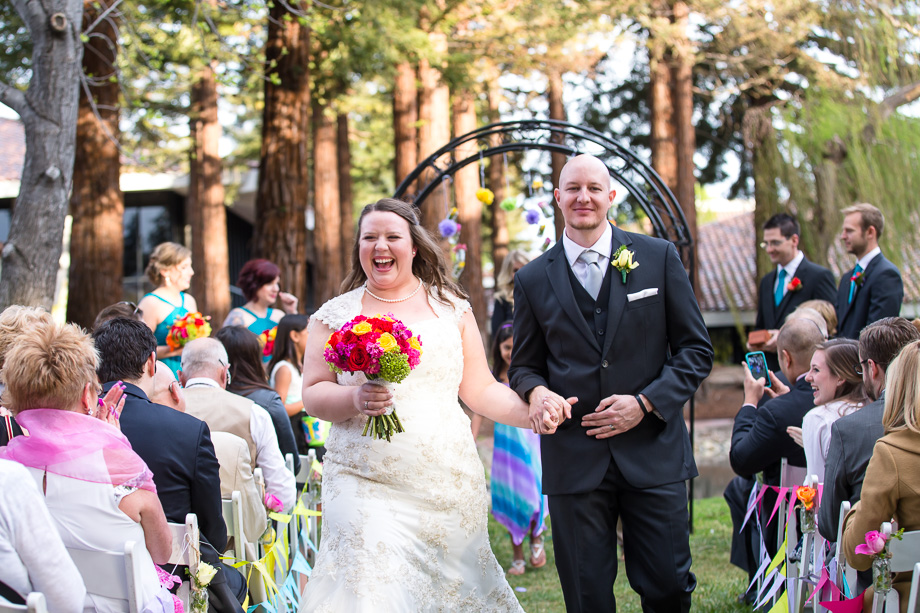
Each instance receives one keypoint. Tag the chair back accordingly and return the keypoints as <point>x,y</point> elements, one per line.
<point>233,517</point>
<point>289,462</point>
<point>113,575</point>
<point>186,551</point>
<point>904,553</point>
<point>35,603</point>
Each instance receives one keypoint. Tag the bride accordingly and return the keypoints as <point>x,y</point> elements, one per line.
<point>405,522</point>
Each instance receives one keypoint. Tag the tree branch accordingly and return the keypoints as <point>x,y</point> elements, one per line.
<point>14,98</point>
<point>904,95</point>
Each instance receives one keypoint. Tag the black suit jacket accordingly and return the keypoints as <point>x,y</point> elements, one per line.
<point>178,450</point>
<point>656,345</point>
<point>853,438</point>
<point>817,284</point>
<point>759,437</point>
<point>879,296</point>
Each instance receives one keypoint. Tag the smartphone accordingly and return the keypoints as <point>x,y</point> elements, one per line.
<point>757,362</point>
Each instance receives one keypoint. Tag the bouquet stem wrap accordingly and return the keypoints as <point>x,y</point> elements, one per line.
<point>386,425</point>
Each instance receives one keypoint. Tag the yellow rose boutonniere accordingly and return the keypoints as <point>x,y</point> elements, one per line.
<point>622,260</point>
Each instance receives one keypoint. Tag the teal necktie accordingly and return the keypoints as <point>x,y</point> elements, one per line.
<point>780,286</point>
<point>858,269</point>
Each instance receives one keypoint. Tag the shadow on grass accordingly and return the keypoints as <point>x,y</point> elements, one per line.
<point>718,582</point>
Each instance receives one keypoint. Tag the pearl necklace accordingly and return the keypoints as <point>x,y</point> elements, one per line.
<point>373,295</point>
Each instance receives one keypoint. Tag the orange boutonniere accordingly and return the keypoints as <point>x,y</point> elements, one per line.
<point>794,285</point>
<point>807,496</point>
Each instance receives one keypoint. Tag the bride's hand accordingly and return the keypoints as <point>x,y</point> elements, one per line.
<point>372,400</point>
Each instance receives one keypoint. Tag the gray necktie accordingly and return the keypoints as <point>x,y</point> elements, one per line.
<point>593,274</point>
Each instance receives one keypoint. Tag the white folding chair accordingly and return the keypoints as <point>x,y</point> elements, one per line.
<point>914,589</point>
<point>186,551</point>
<point>809,562</point>
<point>789,476</point>
<point>289,463</point>
<point>905,555</point>
<point>845,572</point>
<point>35,603</point>
<point>113,575</point>
<point>233,516</point>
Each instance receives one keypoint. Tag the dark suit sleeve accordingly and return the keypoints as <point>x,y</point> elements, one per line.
<point>205,492</point>
<point>887,295</point>
<point>688,342</point>
<point>753,437</point>
<point>836,488</point>
<point>528,358</point>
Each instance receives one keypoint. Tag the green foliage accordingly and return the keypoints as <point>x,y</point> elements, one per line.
<point>15,47</point>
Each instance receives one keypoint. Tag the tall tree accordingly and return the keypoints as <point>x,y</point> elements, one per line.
<point>496,183</point>
<point>210,255</point>
<point>283,189</point>
<point>96,202</point>
<point>556,111</point>
<point>346,191</point>
<point>405,118</point>
<point>327,236</point>
<point>49,114</point>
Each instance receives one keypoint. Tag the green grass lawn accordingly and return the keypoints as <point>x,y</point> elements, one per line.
<point>718,582</point>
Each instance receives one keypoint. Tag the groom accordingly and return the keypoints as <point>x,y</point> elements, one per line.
<point>629,342</point>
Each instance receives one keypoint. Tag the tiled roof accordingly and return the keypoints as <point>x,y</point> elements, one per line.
<point>12,149</point>
<point>726,252</point>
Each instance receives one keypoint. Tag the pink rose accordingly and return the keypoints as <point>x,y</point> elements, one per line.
<point>875,543</point>
<point>273,503</point>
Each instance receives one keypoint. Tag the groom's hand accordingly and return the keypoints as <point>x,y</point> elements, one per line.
<point>614,415</point>
<point>548,410</point>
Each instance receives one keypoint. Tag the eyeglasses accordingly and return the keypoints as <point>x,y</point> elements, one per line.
<point>773,244</point>
<point>130,304</point>
<point>227,366</point>
<point>858,367</point>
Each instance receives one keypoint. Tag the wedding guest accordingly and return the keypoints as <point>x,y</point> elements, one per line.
<point>838,391</point>
<point>853,436</point>
<point>166,390</point>
<point>406,517</point>
<point>205,376</point>
<point>793,281</point>
<point>170,271</point>
<point>872,289</point>
<point>285,377</point>
<point>260,282</point>
<point>518,503</point>
<point>760,440</point>
<point>891,488</point>
<point>32,555</point>
<point>247,379</point>
<point>15,320</point>
<point>99,493</point>
<point>123,309</point>
<point>503,306</point>
<point>826,310</point>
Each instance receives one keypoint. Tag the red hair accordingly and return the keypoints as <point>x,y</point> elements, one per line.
<point>255,274</point>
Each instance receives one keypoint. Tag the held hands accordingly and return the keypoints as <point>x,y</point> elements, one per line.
<point>614,415</point>
<point>372,400</point>
<point>548,410</point>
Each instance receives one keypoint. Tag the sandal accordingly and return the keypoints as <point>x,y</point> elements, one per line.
<point>537,552</point>
<point>517,568</point>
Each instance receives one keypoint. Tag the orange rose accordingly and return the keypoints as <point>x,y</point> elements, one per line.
<point>807,496</point>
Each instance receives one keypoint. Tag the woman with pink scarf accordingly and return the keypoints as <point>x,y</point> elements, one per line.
<point>99,492</point>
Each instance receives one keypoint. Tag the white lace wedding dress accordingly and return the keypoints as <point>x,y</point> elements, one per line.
<point>405,522</point>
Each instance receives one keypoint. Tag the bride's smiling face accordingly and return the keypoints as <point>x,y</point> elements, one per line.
<point>385,249</point>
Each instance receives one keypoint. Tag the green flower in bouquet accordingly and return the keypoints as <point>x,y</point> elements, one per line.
<point>394,367</point>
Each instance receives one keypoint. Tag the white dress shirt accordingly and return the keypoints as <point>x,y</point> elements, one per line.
<point>864,260</point>
<point>278,479</point>
<point>790,269</point>
<point>601,247</point>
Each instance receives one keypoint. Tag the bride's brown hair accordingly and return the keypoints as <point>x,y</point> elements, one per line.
<point>429,263</point>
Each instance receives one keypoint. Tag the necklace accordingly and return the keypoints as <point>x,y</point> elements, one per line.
<point>373,295</point>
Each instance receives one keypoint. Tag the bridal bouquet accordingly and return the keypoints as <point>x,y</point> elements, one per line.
<point>385,350</point>
<point>187,328</point>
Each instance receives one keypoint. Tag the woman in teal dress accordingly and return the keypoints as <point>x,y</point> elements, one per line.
<point>260,281</point>
<point>170,270</point>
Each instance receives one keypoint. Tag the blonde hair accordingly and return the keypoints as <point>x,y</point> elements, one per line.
<point>165,256</point>
<point>902,391</point>
<point>49,367</point>
<point>17,320</point>
<point>827,311</point>
<point>504,284</point>
<point>869,215</point>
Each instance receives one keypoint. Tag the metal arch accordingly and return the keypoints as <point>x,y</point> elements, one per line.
<point>637,176</point>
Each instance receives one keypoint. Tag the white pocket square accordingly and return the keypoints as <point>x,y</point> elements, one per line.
<point>652,291</point>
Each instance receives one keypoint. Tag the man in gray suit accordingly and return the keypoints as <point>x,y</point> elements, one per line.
<point>853,436</point>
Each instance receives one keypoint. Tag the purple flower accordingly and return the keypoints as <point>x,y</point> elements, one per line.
<point>448,227</point>
<point>532,217</point>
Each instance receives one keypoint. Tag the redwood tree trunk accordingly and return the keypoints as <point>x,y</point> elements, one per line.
<point>48,110</point>
<point>96,203</point>
<point>346,197</point>
<point>434,117</point>
<point>497,185</point>
<point>686,134</point>
<point>557,111</point>
<point>469,208</point>
<point>664,134</point>
<point>328,234</point>
<point>405,117</point>
<point>283,191</point>
<point>210,257</point>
